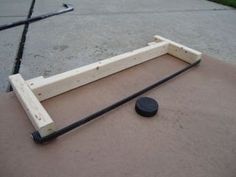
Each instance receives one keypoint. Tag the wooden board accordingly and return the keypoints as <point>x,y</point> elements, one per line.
<point>35,111</point>
<point>192,135</point>
<point>44,88</point>
<point>180,51</point>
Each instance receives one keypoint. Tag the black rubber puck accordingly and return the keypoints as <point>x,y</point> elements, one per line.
<point>146,107</point>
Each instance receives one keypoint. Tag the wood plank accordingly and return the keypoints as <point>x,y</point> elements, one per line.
<point>152,43</point>
<point>57,84</point>
<point>180,51</point>
<point>196,118</point>
<point>35,111</point>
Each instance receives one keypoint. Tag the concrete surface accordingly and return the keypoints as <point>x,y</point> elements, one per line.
<point>14,8</point>
<point>9,41</point>
<point>100,29</point>
<point>10,11</point>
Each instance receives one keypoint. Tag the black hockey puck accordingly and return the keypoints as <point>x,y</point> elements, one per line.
<point>146,107</point>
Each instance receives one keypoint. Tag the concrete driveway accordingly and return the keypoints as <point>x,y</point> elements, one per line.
<point>103,28</point>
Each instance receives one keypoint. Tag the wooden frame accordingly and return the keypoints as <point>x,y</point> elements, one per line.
<point>31,92</point>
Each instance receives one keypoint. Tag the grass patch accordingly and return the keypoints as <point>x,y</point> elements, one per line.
<point>231,3</point>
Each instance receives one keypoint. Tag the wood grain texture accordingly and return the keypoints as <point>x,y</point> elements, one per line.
<point>35,111</point>
<point>57,84</point>
<point>180,51</point>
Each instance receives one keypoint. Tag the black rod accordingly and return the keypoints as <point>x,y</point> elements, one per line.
<point>68,8</point>
<point>38,139</point>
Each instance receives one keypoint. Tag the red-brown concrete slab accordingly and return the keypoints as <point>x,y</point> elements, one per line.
<point>193,134</point>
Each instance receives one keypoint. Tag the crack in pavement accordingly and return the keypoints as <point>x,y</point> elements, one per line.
<point>18,59</point>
